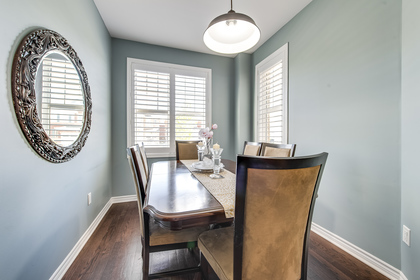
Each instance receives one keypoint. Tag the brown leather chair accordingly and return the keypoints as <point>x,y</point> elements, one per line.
<point>251,148</point>
<point>155,238</point>
<point>186,149</point>
<point>277,150</point>
<point>275,200</point>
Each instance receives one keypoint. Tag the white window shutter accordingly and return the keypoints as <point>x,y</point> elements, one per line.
<point>270,106</point>
<point>151,108</point>
<point>272,94</point>
<point>190,106</point>
<point>166,102</point>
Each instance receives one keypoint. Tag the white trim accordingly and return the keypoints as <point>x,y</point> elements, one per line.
<point>402,276</point>
<point>172,69</point>
<point>360,254</point>
<point>67,262</point>
<point>280,54</point>
<point>125,198</point>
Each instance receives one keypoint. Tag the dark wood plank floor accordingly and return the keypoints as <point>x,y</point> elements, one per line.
<point>114,252</point>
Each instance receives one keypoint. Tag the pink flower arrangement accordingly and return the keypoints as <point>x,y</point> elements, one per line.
<point>207,132</point>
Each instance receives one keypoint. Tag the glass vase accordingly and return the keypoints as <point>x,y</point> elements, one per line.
<point>216,163</point>
<point>208,143</point>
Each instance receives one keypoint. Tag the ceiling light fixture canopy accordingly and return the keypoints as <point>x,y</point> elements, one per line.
<point>231,33</point>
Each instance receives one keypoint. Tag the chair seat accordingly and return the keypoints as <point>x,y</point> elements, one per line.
<point>217,247</point>
<point>163,236</point>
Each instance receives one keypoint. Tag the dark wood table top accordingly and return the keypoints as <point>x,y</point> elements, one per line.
<point>176,199</point>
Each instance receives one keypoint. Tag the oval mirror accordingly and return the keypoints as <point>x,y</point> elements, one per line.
<point>51,95</point>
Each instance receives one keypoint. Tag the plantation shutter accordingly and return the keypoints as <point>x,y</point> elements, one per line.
<point>272,98</point>
<point>190,106</point>
<point>270,119</point>
<point>151,108</point>
<point>62,108</point>
<point>166,102</point>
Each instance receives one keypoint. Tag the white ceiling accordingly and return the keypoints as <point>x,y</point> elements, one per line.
<point>181,23</point>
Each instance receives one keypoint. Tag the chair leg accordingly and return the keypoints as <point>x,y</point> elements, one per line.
<point>145,256</point>
<point>204,267</point>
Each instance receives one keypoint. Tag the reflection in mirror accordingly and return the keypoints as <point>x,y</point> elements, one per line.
<point>59,99</point>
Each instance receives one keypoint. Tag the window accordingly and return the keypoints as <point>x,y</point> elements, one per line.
<point>166,102</point>
<point>61,107</point>
<point>272,92</point>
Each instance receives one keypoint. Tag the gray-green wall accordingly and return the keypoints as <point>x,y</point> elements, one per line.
<point>410,207</point>
<point>223,100</point>
<point>43,206</point>
<point>344,98</point>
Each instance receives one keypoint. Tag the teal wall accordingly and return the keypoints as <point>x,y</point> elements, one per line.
<point>43,206</point>
<point>344,98</point>
<point>410,207</point>
<point>223,100</point>
<point>243,96</point>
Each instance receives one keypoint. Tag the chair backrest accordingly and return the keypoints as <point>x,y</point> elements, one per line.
<point>277,150</point>
<point>134,153</point>
<point>251,148</point>
<point>136,176</point>
<point>144,160</point>
<point>275,200</point>
<point>186,149</point>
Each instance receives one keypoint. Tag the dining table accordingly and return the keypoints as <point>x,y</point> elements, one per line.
<point>177,195</point>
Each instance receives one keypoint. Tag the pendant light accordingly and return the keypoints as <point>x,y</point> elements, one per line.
<point>231,33</point>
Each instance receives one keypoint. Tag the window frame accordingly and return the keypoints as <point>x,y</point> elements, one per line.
<point>172,69</point>
<point>271,60</point>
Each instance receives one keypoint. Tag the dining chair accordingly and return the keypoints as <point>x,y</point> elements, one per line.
<point>277,150</point>
<point>275,200</point>
<point>155,238</point>
<point>144,159</point>
<point>186,149</point>
<point>134,157</point>
<point>251,148</point>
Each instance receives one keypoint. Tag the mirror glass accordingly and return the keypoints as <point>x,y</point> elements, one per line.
<point>60,99</point>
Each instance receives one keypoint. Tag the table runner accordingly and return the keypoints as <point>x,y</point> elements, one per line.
<point>222,189</point>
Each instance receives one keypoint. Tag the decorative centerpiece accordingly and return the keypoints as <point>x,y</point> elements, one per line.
<point>216,152</point>
<point>206,136</point>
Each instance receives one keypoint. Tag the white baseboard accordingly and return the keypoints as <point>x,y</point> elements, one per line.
<point>402,276</point>
<point>360,254</point>
<point>121,199</point>
<point>64,266</point>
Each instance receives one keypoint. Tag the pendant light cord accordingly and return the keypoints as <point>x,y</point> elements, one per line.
<point>231,5</point>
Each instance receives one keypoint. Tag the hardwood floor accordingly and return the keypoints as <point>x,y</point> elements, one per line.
<point>114,252</point>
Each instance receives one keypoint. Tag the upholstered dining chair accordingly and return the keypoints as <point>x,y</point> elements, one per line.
<point>251,148</point>
<point>275,200</point>
<point>186,149</point>
<point>134,156</point>
<point>144,159</point>
<point>155,238</point>
<point>277,150</point>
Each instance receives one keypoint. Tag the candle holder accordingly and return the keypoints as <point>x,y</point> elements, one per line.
<point>201,150</point>
<point>216,163</point>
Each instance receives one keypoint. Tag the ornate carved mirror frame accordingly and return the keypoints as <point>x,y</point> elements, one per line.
<point>32,49</point>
